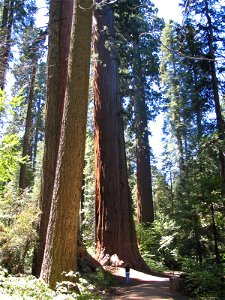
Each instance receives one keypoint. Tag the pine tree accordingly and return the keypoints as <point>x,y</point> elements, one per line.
<point>210,27</point>
<point>188,104</point>
<point>16,16</point>
<point>30,61</point>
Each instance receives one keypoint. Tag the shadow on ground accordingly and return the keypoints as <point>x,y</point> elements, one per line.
<point>143,286</point>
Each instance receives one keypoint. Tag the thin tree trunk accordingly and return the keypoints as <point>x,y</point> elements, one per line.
<point>60,18</point>
<point>61,242</point>
<point>171,192</point>
<point>197,238</point>
<point>25,178</point>
<point>36,139</point>
<point>145,212</point>
<point>5,38</point>
<point>176,125</point>
<point>115,231</point>
<point>214,231</point>
<point>197,105</point>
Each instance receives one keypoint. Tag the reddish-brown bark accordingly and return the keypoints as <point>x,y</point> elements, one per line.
<point>59,39</point>
<point>115,231</point>
<point>145,212</point>
<point>60,253</point>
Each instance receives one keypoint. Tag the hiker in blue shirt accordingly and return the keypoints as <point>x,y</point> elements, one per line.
<point>127,273</point>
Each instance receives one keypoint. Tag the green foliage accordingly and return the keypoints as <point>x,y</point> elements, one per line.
<point>9,107</point>
<point>18,234</point>
<point>78,288</point>
<point>149,243</point>
<point>188,194</point>
<point>204,282</point>
<point>25,287</point>
<point>29,287</point>
<point>10,158</point>
<point>88,203</point>
<point>2,104</point>
<point>162,194</point>
<point>16,102</point>
<point>148,238</point>
<point>155,266</point>
<point>103,279</point>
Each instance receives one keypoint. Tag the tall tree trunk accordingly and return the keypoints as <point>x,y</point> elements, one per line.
<point>176,123</point>
<point>214,231</point>
<point>61,242</point>
<point>145,212</point>
<point>197,239</point>
<point>219,117</point>
<point>25,178</point>
<point>36,135</point>
<point>115,231</point>
<point>5,38</point>
<point>60,18</point>
<point>197,105</point>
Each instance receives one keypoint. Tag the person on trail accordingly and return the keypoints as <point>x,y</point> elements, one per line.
<point>127,273</point>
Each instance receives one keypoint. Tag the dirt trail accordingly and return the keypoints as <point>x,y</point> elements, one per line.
<point>144,286</point>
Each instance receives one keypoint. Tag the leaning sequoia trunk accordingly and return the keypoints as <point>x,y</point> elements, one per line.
<point>61,242</point>
<point>58,52</point>
<point>115,231</point>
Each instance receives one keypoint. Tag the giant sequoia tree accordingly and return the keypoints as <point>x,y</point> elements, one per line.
<point>145,212</point>
<point>61,241</point>
<point>115,232</point>
<point>137,50</point>
<point>58,52</point>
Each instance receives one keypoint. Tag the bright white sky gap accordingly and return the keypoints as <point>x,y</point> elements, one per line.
<point>169,10</point>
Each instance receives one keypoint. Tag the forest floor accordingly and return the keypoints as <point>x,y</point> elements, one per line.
<point>143,286</point>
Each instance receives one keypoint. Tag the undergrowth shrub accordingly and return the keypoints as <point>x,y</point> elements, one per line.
<point>103,279</point>
<point>29,287</point>
<point>153,264</point>
<point>149,243</point>
<point>204,282</point>
<point>17,230</point>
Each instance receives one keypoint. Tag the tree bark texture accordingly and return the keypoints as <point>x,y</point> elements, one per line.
<point>115,231</point>
<point>145,212</point>
<point>60,19</point>
<point>61,243</point>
